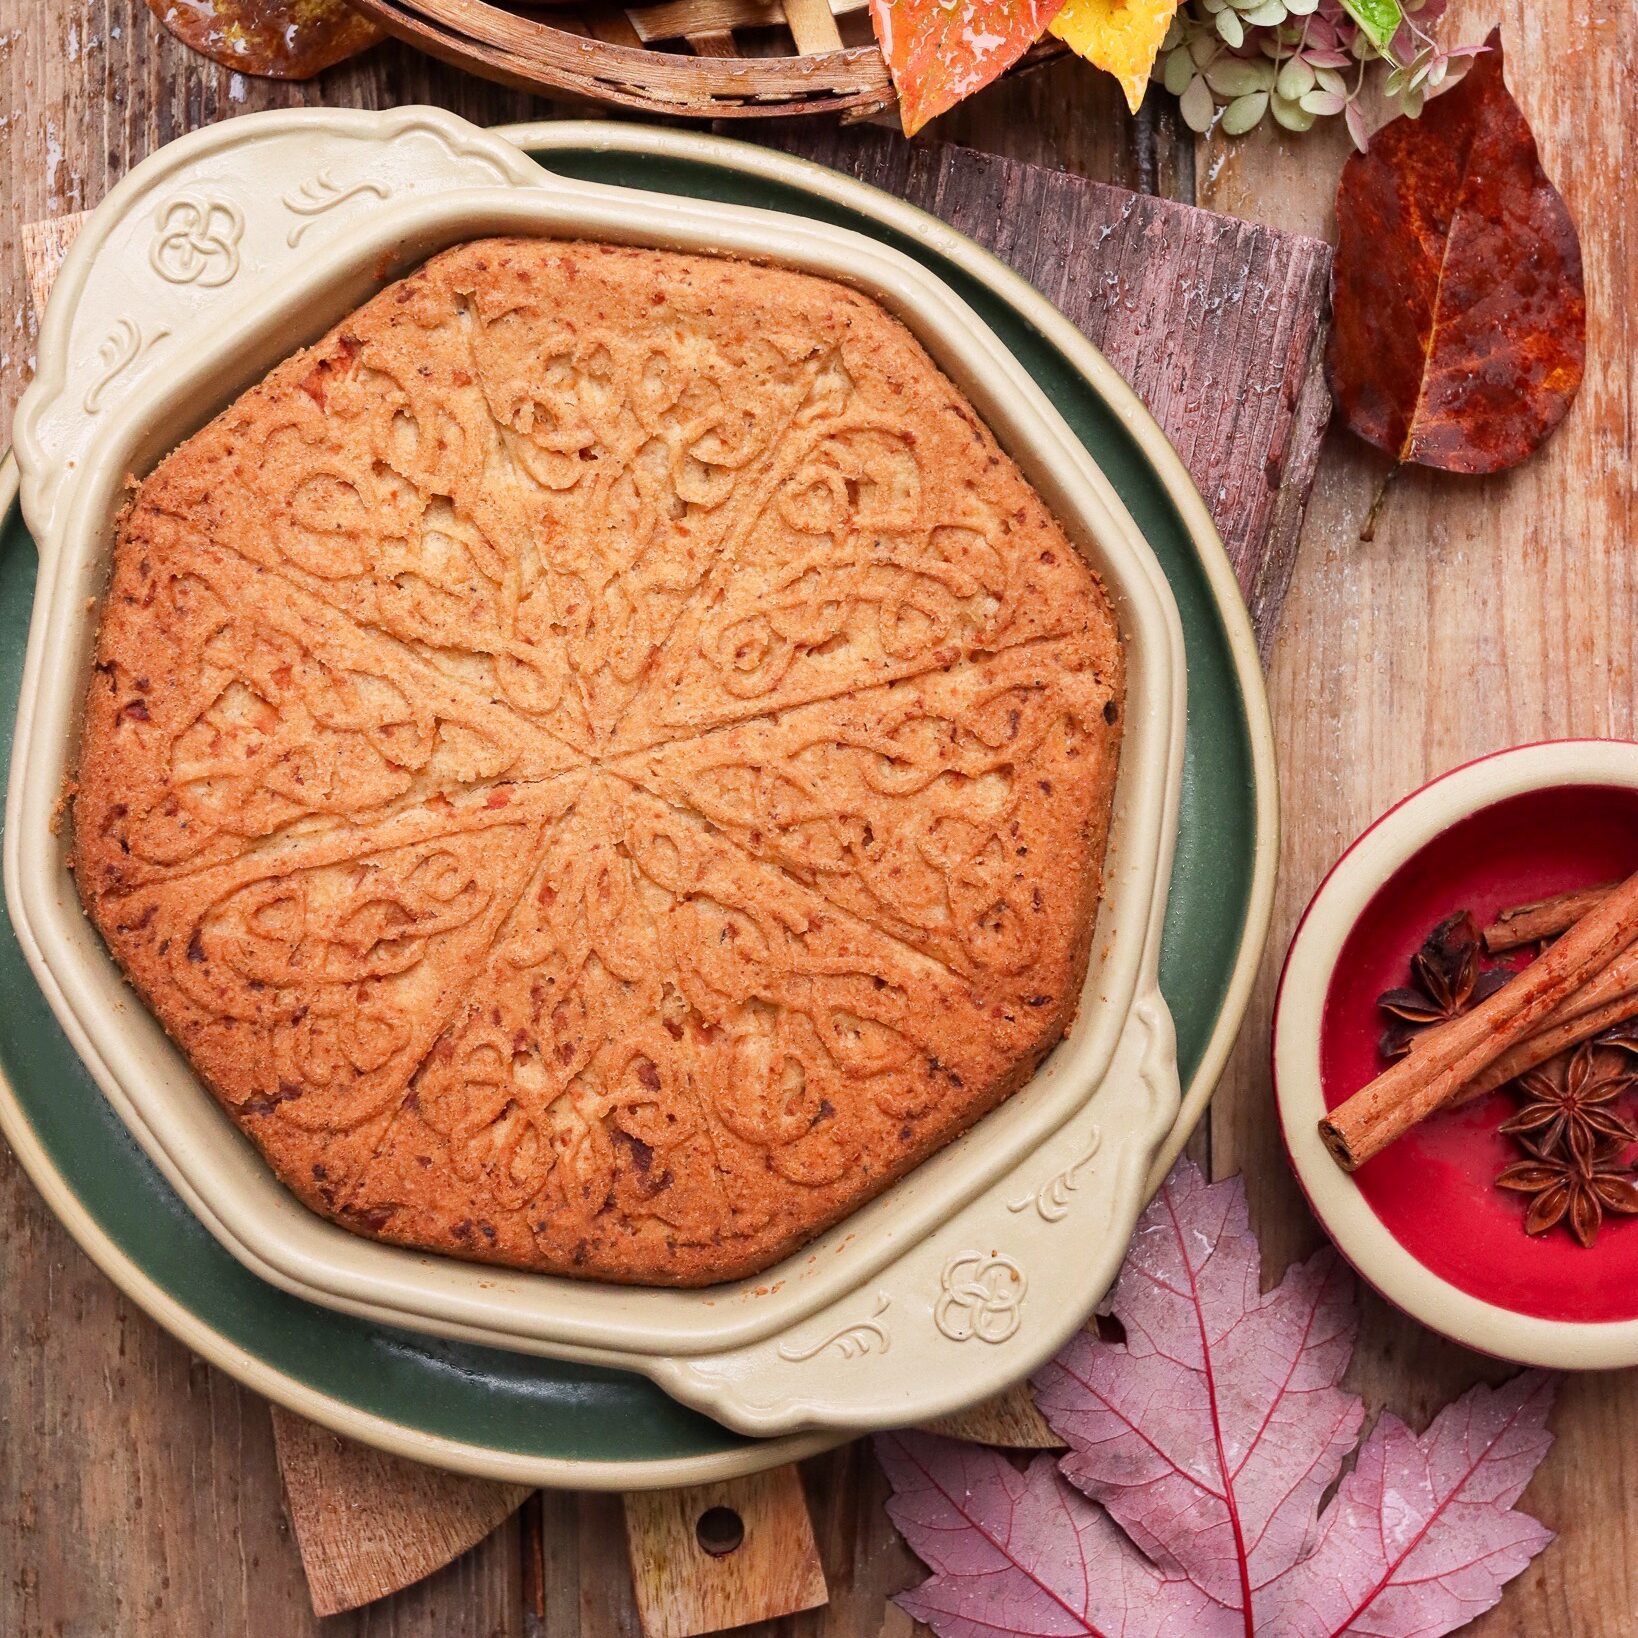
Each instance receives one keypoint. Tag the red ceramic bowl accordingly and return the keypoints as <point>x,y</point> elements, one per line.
<point>1423,1222</point>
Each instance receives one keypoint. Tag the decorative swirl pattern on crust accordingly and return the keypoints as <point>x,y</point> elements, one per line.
<point>601,764</point>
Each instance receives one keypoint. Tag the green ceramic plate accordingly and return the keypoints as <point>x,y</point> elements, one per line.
<point>511,1415</point>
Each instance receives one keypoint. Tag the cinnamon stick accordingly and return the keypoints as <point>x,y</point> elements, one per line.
<point>1428,1079</point>
<point>1616,982</point>
<point>1546,918</point>
<point>1532,1053</point>
<point>1618,979</point>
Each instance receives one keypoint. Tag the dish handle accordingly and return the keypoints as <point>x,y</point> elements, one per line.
<point>987,1297</point>
<point>188,240</point>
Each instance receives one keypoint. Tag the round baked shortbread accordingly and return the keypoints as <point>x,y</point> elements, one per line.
<point>601,764</point>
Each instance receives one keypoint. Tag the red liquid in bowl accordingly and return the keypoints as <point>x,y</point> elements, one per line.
<point>1434,1189</point>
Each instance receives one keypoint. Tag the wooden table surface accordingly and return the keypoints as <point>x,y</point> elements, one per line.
<point>138,1488</point>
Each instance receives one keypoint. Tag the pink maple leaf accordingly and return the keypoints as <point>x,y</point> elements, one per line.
<point>1200,1451</point>
<point>1423,1533</point>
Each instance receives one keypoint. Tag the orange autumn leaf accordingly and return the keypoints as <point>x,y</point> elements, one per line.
<point>278,39</point>
<point>939,53</point>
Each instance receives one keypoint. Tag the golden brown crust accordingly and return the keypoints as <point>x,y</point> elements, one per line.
<point>602,764</point>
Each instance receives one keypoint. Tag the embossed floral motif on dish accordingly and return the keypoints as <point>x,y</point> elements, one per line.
<point>196,240</point>
<point>321,194</point>
<point>980,1296</point>
<point>120,349</point>
<point>1053,1198</point>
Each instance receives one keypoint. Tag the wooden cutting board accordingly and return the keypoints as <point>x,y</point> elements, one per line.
<point>1219,326</point>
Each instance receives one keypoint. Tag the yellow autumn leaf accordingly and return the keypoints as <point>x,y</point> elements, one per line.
<point>1122,36</point>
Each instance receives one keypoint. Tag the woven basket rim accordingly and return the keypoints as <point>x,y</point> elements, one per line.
<point>534,55</point>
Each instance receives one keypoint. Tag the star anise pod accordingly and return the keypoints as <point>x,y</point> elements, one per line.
<point>1446,980</point>
<point>1567,1106</point>
<point>1622,1036</point>
<point>1562,1189</point>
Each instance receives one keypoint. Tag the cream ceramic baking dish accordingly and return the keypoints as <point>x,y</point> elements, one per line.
<point>218,257</point>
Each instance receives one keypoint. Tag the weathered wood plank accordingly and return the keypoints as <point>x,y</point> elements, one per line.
<point>44,246</point>
<point>369,1524</point>
<point>712,1556</point>
<point>1010,1420</point>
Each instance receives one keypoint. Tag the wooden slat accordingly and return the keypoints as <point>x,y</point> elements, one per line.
<point>44,246</point>
<point>615,27</point>
<point>1010,1419</point>
<point>369,1524</point>
<point>813,24</point>
<point>675,19</point>
<point>713,43</point>
<point>682,1588</point>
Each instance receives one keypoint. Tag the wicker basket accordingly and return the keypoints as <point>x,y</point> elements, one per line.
<point>697,59</point>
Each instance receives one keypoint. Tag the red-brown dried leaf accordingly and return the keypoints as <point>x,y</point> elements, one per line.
<point>1460,309</point>
<point>277,39</point>
<point>938,53</point>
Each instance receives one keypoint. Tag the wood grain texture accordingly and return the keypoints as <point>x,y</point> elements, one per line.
<point>683,1588</point>
<point>1010,1420</point>
<point>369,1524</point>
<point>120,1456</point>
